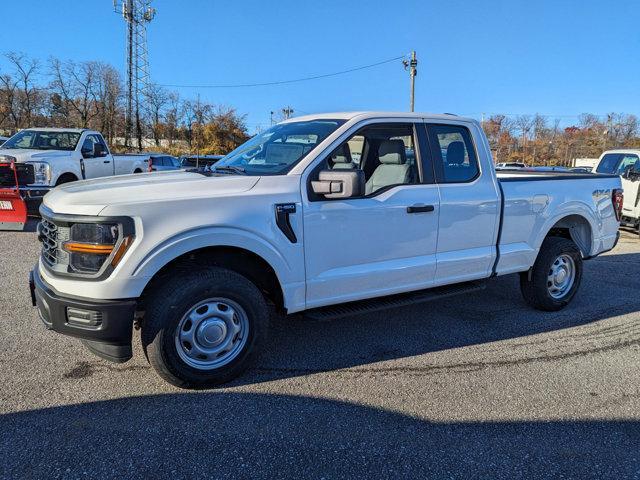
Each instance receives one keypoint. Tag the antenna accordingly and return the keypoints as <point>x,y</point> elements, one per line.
<point>136,13</point>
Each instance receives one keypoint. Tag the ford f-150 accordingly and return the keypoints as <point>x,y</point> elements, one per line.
<point>330,214</point>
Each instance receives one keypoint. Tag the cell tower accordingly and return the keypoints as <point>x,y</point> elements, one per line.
<point>137,13</point>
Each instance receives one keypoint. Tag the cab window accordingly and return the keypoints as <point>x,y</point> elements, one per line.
<point>384,152</point>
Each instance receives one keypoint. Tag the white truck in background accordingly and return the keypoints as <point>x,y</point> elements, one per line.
<point>626,163</point>
<point>331,214</point>
<point>61,155</point>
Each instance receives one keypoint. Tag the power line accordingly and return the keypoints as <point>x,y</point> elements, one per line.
<point>282,82</point>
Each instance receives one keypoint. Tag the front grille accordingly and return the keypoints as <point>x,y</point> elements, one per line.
<point>7,177</point>
<point>24,172</point>
<point>53,237</point>
<point>48,234</point>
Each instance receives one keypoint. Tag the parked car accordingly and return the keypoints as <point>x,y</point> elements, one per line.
<point>198,161</point>
<point>625,163</point>
<point>54,156</point>
<point>510,165</point>
<point>160,162</point>
<point>289,220</point>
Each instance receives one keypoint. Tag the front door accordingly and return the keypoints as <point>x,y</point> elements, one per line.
<point>94,167</point>
<point>383,242</point>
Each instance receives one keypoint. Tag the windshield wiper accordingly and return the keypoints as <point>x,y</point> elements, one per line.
<point>228,168</point>
<point>201,171</point>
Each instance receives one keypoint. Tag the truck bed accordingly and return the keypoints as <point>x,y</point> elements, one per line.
<point>521,176</point>
<point>532,202</point>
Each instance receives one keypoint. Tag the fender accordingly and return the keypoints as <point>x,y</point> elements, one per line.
<point>567,209</point>
<point>292,281</point>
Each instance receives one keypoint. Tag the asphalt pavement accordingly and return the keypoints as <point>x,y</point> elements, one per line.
<point>474,386</point>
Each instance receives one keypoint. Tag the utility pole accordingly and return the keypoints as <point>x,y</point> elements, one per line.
<point>287,112</point>
<point>413,71</point>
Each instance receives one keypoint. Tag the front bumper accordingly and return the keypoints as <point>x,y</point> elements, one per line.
<point>105,326</point>
<point>33,196</point>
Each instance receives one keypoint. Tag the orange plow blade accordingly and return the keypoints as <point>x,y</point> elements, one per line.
<point>13,209</point>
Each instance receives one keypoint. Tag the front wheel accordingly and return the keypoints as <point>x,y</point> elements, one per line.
<point>555,276</point>
<point>202,327</point>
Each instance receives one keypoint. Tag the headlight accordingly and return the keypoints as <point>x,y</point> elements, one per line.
<point>42,172</point>
<point>7,159</point>
<point>91,244</point>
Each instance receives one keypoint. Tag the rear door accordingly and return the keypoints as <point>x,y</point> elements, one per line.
<point>469,206</point>
<point>383,242</point>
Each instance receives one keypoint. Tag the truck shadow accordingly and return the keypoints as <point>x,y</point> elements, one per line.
<point>298,346</point>
<point>249,435</point>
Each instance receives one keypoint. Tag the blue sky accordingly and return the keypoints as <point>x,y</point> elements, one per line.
<point>558,58</point>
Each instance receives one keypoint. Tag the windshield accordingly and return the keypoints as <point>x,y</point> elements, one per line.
<point>277,150</point>
<point>40,140</point>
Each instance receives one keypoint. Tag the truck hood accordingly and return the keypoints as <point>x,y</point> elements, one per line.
<point>23,155</point>
<point>90,197</point>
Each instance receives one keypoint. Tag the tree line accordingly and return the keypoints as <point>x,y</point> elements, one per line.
<point>534,140</point>
<point>91,94</point>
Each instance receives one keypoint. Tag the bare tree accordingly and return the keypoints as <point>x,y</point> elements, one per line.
<point>77,85</point>
<point>524,123</point>
<point>109,98</point>
<point>156,100</point>
<point>172,117</point>
<point>22,97</point>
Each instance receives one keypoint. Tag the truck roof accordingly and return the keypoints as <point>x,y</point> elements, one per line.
<point>375,114</point>
<point>623,150</point>
<point>56,129</point>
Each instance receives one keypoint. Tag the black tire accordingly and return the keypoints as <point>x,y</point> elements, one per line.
<point>137,170</point>
<point>534,283</point>
<point>66,178</point>
<point>169,303</point>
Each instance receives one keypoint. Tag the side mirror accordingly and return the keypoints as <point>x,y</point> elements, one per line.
<point>98,150</point>
<point>339,183</point>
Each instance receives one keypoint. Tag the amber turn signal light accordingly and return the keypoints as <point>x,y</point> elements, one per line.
<point>122,249</point>
<point>76,247</point>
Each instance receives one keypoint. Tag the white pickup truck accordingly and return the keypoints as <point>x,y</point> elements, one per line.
<point>61,155</point>
<point>331,214</point>
<point>626,163</point>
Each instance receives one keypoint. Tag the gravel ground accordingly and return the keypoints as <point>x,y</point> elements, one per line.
<point>478,386</point>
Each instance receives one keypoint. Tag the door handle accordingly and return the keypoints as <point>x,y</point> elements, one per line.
<point>420,208</point>
<point>107,161</point>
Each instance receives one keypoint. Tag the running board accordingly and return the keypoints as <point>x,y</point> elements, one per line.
<point>392,301</point>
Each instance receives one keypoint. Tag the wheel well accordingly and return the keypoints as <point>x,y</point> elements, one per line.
<point>575,228</point>
<point>137,170</point>
<point>66,178</point>
<point>246,263</point>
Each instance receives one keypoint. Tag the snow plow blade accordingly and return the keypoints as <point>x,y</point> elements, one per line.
<point>13,209</point>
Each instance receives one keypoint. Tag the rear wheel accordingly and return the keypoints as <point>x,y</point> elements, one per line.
<point>555,276</point>
<point>203,327</point>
